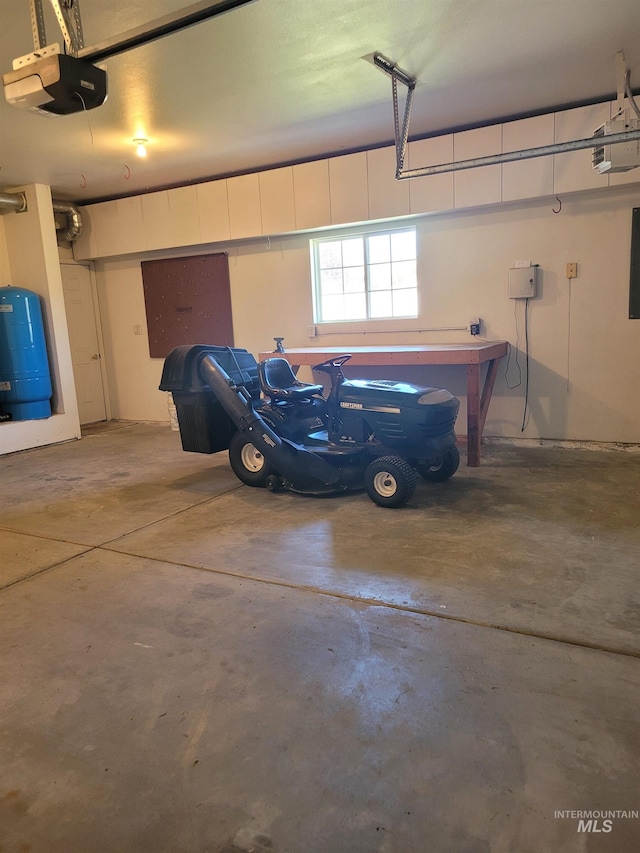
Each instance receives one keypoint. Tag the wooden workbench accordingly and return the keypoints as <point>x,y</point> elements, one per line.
<point>472,355</point>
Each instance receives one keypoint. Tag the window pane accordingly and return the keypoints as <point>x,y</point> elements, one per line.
<point>379,251</point>
<point>355,307</point>
<point>403,246</point>
<point>361,276</point>
<point>331,281</point>
<point>332,308</point>
<point>353,252</point>
<point>404,274</point>
<point>380,277</point>
<point>380,304</point>
<point>405,303</point>
<point>353,280</point>
<point>330,254</point>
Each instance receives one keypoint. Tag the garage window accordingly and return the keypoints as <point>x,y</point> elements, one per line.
<point>368,276</point>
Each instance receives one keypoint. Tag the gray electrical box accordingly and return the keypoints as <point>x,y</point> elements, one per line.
<point>522,282</point>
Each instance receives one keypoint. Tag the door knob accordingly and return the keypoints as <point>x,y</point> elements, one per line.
<point>95,356</point>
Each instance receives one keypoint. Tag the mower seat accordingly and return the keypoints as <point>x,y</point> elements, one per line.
<point>279,382</point>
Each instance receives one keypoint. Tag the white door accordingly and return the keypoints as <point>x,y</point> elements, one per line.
<point>83,337</point>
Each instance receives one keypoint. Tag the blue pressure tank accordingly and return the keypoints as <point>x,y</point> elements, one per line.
<point>25,381</point>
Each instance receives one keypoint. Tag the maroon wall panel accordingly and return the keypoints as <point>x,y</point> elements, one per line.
<point>188,301</point>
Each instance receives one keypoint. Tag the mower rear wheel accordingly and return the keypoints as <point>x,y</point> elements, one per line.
<point>390,481</point>
<point>247,462</point>
<point>447,468</point>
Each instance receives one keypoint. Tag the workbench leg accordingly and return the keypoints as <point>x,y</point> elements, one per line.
<point>473,415</point>
<point>487,391</point>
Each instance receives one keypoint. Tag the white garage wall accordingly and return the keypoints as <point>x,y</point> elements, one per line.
<point>133,376</point>
<point>4,257</point>
<point>584,352</point>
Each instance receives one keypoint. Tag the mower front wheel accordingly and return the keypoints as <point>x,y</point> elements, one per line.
<point>390,481</point>
<point>247,462</point>
<point>447,468</point>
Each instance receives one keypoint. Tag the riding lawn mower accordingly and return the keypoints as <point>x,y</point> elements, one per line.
<point>281,433</point>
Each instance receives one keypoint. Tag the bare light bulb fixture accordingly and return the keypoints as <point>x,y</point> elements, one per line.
<point>141,146</point>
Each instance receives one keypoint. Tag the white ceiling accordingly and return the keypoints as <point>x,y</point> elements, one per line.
<point>279,81</point>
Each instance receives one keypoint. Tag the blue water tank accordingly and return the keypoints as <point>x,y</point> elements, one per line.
<point>25,381</point>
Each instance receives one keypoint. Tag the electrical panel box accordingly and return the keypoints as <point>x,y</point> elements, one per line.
<point>522,282</point>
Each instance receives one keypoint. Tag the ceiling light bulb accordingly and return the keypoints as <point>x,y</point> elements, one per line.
<point>141,147</point>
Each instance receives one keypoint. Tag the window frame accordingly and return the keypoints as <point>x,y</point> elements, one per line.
<point>364,235</point>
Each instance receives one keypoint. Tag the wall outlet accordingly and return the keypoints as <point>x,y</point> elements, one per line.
<point>474,326</point>
<point>521,264</point>
<point>311,331</point>
<point>137,330</point>
<point>572,270</point>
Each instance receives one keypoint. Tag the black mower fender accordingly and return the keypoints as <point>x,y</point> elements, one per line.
<point>302,469</point>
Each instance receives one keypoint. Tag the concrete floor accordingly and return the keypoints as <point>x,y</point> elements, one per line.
<point>193,666</point>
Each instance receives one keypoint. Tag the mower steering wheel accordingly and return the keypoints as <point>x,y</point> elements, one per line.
<point>331,363</point>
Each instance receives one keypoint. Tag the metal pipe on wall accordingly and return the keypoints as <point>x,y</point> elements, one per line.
<point>17,203</point>
<point>12,202</point>
<point>74,220</point>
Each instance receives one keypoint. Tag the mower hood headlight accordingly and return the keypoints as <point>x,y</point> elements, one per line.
<point>438,395</point>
